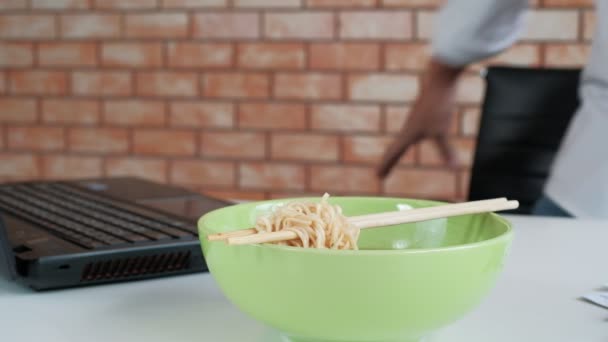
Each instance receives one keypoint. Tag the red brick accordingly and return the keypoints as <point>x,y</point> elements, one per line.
<point>236,85</point>
<point>242,145</point>
<point>568,3</point>
<point>164,142</point>
<point>2,135</point>
<point>407,56</point>
<point>101,83</point>
<point>345,56</point>
<point>90,26</point>
<point>17,110</point>
<point>527,55</point>
<point>152,169</point>
<point>552,25</point>
<point>424,24</point>
<point>464,150</point>
<point>382,87</point>
<point>267,3</point>
<point>340,3</point>
<point>67,54</point>
<point>61,111</point>
<point>70,167</point>
<point>181,4</point>
<point>311,25</point>
<point>347,179</point>
<point>567,55</point>
<point>365,149</point>
<point>521,54</point>
<point>16,54</point>
<point>135,113</point>
<point>201,114</point>
<point>307,86</point>
<point>167,83</point>
<point>195,172</point>
<point>125,4</point>
<point>234,195</point>
<point>271,56</point>
<point>200,55</point>
<point>132,55</point>
<point>369,149</point>
<point>272,116</point>
<point>226,25</point>
<point>376,25</point>
<point>396,117</point>
<point>346,118</point>
<point>39,26</point>
<point>13,4</point>
<point>60,4</point>
<point>291,194</point>
<point>3,82</point>
<point>35,138</point>
<point>18,166</point>
<point>257,175</point>
<point>38,82</point>
<point>589,24</point>
<point>415,4</point>
<point>304,147</point>
<point>100,140</point>
<point>157,25</point>
<point>421,183</point>
<point>470,121</point>
<point>470,89</point>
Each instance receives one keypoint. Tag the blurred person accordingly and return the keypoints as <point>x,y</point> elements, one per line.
<point>467,31</point>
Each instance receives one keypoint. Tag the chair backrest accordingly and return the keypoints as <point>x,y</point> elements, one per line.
<point>525,114</point>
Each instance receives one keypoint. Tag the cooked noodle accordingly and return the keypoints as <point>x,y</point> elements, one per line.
<point>318,225</point>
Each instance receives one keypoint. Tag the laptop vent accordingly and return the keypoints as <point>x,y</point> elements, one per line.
<point>136,266</point>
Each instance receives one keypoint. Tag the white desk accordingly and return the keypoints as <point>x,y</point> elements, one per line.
<point>552,263</point>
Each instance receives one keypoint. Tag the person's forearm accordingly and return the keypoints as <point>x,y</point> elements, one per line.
<point>429,117</point>
<point>441,73</point>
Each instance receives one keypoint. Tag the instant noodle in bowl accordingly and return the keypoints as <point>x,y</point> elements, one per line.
<point>317,224</point>
<point>403,282</point>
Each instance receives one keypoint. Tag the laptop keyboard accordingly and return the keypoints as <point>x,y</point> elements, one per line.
<point>86,219</point>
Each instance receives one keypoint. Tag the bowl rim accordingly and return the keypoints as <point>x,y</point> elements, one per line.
<point>506,235</point>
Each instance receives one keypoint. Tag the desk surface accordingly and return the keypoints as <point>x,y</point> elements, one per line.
<point>553,262</point>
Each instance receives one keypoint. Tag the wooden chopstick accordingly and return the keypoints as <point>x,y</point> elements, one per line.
<point>403,217</point>
<point>441,212</point>
<point>370,217</point>
<point>236,233</point>
<point>408,216</point>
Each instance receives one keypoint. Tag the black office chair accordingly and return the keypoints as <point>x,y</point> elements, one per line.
<point>525,114</point>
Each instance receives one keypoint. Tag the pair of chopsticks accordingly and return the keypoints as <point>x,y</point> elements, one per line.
<point>251,236</point>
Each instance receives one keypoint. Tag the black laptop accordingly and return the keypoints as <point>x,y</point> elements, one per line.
<point>74,233</point>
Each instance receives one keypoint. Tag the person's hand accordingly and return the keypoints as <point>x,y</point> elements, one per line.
<point>429,118</point>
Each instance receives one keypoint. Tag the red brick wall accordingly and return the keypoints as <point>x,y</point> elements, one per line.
<point>240,98</point>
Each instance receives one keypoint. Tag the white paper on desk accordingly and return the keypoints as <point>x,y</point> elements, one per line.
<point>599,298</point>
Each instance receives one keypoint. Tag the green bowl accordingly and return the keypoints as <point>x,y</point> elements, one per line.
<point>405,282</point>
